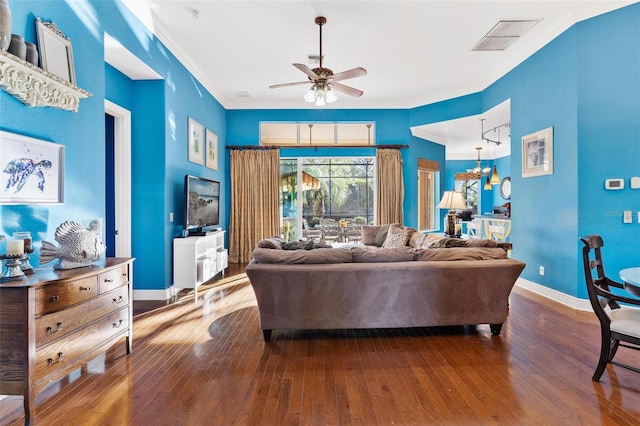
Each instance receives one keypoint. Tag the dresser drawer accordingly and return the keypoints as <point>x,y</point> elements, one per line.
<point>65,351</point>
<point>113,279</point>
<point>58,324</point>
<point>53,297</point>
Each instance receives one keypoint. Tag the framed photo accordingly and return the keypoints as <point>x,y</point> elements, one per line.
<point>211,152</point>
<point>56,55</point>
<point>196,141</point>
<point>32,170</point>
<point>537,153</point>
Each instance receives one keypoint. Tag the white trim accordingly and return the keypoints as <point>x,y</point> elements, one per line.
<point>555,295</point>
<point>122,176</point>
<point>162,294</point>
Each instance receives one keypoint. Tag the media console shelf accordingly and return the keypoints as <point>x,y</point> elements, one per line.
<point>198,259</point>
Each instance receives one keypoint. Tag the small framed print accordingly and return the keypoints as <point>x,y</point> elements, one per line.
<point>195,141</point>
<point>33,170</point>
<point>56,54</point>
<point>211,151</point>
<point>537,153</point>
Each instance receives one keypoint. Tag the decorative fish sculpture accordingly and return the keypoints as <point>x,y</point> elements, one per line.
<point>79,246</point>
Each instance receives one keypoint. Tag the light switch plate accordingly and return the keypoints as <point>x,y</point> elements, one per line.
<point>627,218</point>
<point>635,182</point>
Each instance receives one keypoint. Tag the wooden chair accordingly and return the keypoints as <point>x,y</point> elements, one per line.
<point>330,231</point>
<point>617,323</point>
<point>497,232</point>
<point>474,229</point>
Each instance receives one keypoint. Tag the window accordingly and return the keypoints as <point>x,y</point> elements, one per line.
<point>331,187</point>
<point>317,134</point>
<point>428,174</point>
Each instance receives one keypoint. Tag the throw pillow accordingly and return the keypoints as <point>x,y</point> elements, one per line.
<point>298,245</point>
<point>369,234</point>
<point>448,243</point>
<point>397,239</point>
<point>416,240</point>
<point>271,243</point>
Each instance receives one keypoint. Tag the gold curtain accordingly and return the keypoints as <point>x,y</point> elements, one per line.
<point>390,186</point>
<point>255,214</point>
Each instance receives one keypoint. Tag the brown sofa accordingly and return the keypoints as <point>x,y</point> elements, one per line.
<point>362,287</point>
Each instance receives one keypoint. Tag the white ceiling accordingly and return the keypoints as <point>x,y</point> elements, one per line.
<point>415,52</point>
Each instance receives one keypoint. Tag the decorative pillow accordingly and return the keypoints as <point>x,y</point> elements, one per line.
<point>397,239</point>
<point>381,255</point>
<point>448,243</point>
<point>382,235</point>
<point>298,245</point>
<point>481,242</point>
<point>271,243</point>
<point>369,234</point>
<point>430,239</point>
<point>461,253</point>
<point>324,255</point>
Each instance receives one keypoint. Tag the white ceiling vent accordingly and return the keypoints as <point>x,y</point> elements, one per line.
<point>503,34</point>
<point>242,94</point>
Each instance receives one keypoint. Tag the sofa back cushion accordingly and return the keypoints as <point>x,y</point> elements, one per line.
<point>369,234</point>
<point>271,243</point>
<point>460,253</point>
<point>381,255</point>
<point>321,255</point>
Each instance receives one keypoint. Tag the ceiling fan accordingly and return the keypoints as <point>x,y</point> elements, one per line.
<point>323,80</point>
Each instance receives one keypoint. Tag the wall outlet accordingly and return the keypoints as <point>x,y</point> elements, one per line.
<point>541,270</point>
<point>171,217</point>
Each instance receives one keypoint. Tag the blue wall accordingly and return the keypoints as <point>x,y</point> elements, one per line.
<point>585,84</point>
<point>159,110</point>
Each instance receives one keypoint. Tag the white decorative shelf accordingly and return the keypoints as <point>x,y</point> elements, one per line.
<point>34,86</point>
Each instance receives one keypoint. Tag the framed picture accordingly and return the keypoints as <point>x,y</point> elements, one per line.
<point>56,55</point>
<point>196,141</point>
<point>32,170</point>
<point>211,152</point>
<point>537,153</point>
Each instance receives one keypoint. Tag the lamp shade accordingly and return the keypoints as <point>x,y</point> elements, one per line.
<point>452,200</point>
<point>495,178</point>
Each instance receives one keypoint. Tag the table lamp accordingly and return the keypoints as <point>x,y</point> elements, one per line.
<point>451,200</point>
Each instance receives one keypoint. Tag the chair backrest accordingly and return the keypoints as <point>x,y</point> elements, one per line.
<point>598,283</point>
<point>497,232</point>
<point>474,229</point>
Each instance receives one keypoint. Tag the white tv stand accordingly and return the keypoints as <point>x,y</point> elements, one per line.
<point>198,259</point>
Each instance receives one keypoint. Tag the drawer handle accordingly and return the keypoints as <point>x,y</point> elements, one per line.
<point>85,288</point>
<point>118,300</point>
<point>50,329</point>
<point>55,298</point>
<point>51,361</point>
<point>118,324</point>
<point>108,280</point>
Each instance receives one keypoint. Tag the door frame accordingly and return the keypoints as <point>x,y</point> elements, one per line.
<point>122,176</point>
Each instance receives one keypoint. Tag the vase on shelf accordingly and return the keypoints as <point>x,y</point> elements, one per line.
<point>32,53</point>
<point>17,47</point>
<point>5,25</point>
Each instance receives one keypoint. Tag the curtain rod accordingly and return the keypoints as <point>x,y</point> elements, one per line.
<point>258,147</point>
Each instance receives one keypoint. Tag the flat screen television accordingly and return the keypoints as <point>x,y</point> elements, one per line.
<point>202,205</point>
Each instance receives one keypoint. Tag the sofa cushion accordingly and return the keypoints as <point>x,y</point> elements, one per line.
<point>369,234</point>
<point>321,255</point>
<point>381,255</point>
<point>481,242</point>
<point>460,253</point>
<point>416,239</point>
<point>382,235</point>
<point>447,242</point>
<point>271,243</point>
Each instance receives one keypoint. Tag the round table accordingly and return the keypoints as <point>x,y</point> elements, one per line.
<point>631,278</point>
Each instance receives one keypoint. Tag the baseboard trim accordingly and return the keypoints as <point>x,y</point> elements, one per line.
<point>163,294</point>
<point>555,295</point>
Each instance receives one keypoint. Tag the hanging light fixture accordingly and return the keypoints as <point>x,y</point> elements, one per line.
<point>495,178</point>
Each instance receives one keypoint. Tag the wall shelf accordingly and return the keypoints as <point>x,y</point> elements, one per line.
<point>34,86</point>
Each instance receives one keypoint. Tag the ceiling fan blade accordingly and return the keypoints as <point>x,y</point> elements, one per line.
<point>356,72</point>
<point>305,69</point>
<point>297,83</point>
<point>346,89</point>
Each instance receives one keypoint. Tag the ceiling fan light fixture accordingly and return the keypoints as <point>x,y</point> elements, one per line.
<point>310,96</point>
<point>330,96</point>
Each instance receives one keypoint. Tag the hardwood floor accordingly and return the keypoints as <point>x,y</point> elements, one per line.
<point>205,363</point>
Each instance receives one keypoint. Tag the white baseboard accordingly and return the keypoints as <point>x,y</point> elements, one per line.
<point>154,294</point>
<point>555,295</point>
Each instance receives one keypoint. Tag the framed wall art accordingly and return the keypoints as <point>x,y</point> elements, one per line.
<point>56,55</point>
<point>211,152</point>
<point>537,153</point>
<point>196,141</point>
<point>31,170</point>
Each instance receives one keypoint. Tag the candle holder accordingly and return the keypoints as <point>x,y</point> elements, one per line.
<point>25,266</point>
<point>11,270</point>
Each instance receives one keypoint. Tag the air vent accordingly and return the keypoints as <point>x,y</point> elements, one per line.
<point>242,94</point>
<point>503,34</point>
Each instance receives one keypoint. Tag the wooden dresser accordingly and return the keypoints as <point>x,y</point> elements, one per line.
<point>55,321</point>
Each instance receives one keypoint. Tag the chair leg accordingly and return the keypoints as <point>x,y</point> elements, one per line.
<point>605,348</point>
<point>613,348</point>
